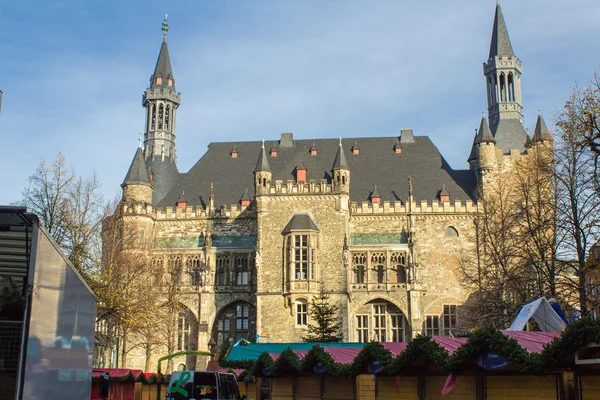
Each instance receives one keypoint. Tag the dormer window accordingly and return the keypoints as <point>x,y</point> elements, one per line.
<point>170,82</point>
<point>273,151</point>
<point>159,80</point>
<point>355,149</point>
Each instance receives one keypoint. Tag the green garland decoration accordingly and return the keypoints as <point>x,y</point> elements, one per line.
<point>420,346</point>
<point>575,337</point>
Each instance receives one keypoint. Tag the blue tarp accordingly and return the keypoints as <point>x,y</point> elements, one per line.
<point>251,351</point>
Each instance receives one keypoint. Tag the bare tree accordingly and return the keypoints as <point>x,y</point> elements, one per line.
<point>578,205</point>
<point>70,207</point>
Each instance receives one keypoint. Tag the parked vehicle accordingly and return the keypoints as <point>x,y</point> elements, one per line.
<point>47,315</point>
<point>199,385</point>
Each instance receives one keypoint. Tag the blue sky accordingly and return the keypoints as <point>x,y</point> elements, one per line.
<point>73,73</point>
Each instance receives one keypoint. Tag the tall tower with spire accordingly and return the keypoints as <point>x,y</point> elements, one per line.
<point>161,102</point>
<point>503,81</point>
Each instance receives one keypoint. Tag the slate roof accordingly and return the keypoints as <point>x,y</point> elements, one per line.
<point>500,44</point>
<point>163,68</point>
<point>377,164</point>
<point>138,170</point>
<point>510,134</point>
<point>164,176</point>
<point>301,222</point>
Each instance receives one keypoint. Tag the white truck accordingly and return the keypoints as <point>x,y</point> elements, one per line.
<point>47,315</point>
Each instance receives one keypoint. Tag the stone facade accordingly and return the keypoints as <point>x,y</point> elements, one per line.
<point>249,270</point>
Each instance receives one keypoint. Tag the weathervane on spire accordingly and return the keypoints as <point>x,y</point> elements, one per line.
<point>165,27</point>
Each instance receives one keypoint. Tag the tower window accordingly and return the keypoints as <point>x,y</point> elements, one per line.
<point>167,117</point>
<point>161,111</point>
<point>159,80</point>
<point>511,87</point>
<point>502,87</point>
<point>170,82</point>
<point>153,121</point>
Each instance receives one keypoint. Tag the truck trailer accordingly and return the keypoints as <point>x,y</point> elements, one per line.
<point>47,315</point>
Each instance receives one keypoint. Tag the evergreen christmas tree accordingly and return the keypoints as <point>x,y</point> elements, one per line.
<point>325,323</point>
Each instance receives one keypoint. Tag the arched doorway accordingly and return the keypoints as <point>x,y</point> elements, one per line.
<point>380,320</point>
<point>234,322</point>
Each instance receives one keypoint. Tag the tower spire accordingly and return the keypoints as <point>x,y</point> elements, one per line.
<point>502,71</point>
<point>161,101</point>
<point>500,44</point>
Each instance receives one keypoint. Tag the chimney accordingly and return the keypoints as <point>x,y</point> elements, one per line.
<point>301,173</point>
<point>406,136</point>
<point>375,196</point>
<point>234,152</point>
<point>287,140</point>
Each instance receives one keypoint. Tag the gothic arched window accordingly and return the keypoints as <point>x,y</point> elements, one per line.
<point>511,87</point>
<point>378,265</point>
<point>168,118</point>
<point>451,232</point>
<point>359,264</point>
<point>221,278</point>
<point>398,264</point>
<point>502,87</point>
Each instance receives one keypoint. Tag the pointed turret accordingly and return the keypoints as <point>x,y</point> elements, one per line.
<point>263,161</point>
<point>485,134</point>
<point>163,74</point>
<point>340,158</point>
<point>137,185</point>
<point>262,173</point>
<point>500,44</point>
<point>341,171</point>
<point>138,171</point>
<point>541,132</point>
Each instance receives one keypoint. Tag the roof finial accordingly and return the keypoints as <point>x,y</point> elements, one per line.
<point>140,135</point>
<point>165,27</point>
<point>340,141</point>
<point>263,143</point>
<point>539,112</point>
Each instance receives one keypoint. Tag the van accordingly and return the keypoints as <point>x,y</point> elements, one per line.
<point>200,385</point>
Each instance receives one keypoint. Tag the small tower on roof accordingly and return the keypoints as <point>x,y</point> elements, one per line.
<point>262,173</point>
<point>485,150</point>
<point>341,171</point>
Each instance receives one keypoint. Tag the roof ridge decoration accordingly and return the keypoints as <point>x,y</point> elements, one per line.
<point>340,158</point>
<point>500,44</point>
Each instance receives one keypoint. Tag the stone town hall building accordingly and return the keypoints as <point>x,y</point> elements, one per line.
<point>256,226</point>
